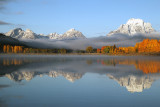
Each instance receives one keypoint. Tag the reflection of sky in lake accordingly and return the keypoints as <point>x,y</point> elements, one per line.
<point>79,81</point>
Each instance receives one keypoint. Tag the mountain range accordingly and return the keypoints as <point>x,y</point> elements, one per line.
<point>135,30</point>
<point>132,27</point>
<point>18,33</point>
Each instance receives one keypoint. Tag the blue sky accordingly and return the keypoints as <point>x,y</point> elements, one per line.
<point>91,17</point>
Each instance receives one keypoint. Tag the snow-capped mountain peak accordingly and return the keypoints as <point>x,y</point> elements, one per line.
<point>53,35</point>
<point>29,31</point>
<point>71,30</point>
<point>72,33</point>
<point>28,34</point>
<point>21,34</point>
<point>132,27</point>
<point>15,33</point>
<point>135,21</point>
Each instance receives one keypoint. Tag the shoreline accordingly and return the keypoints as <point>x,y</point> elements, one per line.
<point>79,54</point>
<point>97,54</point>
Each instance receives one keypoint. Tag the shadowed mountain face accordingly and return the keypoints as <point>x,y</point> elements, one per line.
<point>135,73</point>
<point>9,40</point>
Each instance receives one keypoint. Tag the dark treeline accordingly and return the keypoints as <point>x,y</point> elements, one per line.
<point>4,48</point>
<point>11,45</point>
<point>22,49</point>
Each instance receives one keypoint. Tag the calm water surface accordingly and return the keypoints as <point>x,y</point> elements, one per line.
<point>79,81</point>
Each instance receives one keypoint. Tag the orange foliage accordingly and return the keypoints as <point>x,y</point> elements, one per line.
<point>98,50</point>
<point>7,62</point>
<point>12,49</point>
<point>8,48</point>
<point>102,49</point>
<point>147,66</point>
<point>4,48</point>
<point>107,49</point>
<point>147,45</point>
<point>17,49</point>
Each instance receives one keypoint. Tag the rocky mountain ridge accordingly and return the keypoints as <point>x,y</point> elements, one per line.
<point>18,33</point>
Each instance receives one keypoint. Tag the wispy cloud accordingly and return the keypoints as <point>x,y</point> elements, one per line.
<point>4,2</point>
<point>2,23</point>
<point>19,13</point>
<point>96,42</point>
<point>19,26</point>
<point>5,23</point>
<point>4,10</point>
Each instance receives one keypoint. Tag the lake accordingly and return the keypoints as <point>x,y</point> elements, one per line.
<point>79,81</point>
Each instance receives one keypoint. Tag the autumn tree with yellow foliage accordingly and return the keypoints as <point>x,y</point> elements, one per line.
<point>89,49</point>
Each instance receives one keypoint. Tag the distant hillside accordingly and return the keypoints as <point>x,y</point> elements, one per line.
<point>6,40</point>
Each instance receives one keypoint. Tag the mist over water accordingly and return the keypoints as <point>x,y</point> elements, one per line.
<point>79,80</point>
<point>96,42</point>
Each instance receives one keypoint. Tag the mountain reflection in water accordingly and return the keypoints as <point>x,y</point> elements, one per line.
<point>134,73</point>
